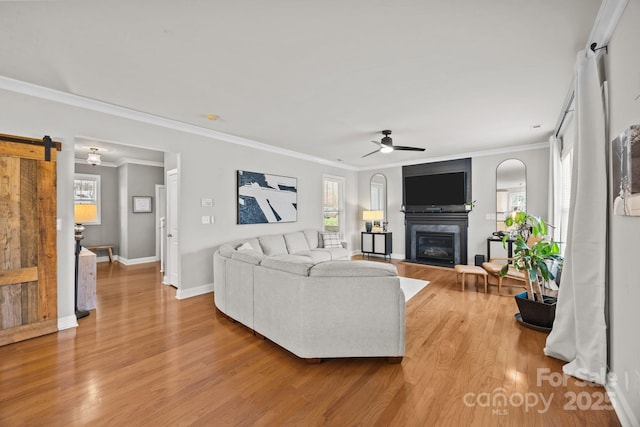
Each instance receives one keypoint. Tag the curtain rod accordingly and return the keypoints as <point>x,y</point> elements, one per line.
<point>594,48</point>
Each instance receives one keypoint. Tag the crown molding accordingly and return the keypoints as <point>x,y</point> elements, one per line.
<point>124,161</point>
<point>128,160</point>
<point>61,97</point>
<point>90,104</point>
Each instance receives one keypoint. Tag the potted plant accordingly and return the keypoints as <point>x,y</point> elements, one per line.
<point>532,253</point>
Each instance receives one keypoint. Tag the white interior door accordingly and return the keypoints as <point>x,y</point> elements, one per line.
<point>172,276</point>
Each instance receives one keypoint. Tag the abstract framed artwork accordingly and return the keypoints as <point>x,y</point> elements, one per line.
<point>625,172</point>
<point>265,198</point>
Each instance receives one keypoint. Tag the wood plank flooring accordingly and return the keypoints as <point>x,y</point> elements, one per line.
<point>144,358</point>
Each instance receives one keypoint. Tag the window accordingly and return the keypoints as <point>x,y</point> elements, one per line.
<point>86,192</point>
<point>333,203</point>
<point>565,198</point>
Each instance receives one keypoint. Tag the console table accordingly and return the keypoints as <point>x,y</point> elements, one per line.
<point>376,243</point>
<point>498,239</point>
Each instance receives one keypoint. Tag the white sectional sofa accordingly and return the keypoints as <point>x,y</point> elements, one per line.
<point>309,299</point>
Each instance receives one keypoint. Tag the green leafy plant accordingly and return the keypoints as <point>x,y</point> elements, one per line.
<point>533,250</point>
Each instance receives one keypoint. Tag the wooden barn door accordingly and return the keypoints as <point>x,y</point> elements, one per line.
<point>28,265</point>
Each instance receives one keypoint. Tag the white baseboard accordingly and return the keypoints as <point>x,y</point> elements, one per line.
<point>397,256</point>
<point>67,322</point>
<point>620,405</point>
<point>194,292</point>
<point>135,261</point>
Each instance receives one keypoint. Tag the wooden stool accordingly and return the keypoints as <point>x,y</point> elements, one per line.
<point>471,269</point>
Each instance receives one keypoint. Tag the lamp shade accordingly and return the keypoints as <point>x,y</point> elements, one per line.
<point>85,213</point>
<point>372,215</point>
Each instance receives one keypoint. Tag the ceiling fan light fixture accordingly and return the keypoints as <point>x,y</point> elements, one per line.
<point>386,149</point>
<point>93,158</point>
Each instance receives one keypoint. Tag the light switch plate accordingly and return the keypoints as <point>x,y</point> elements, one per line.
<point>206,219</point>
<point>206,202</point>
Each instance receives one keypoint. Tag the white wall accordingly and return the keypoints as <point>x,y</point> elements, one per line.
<point>141,227</point>
<point>208,169</point>
<point>108,232</point>
<point>622,66</point>
<point>394,201</point>
<point>484,191</point>
<point>65,240</point>
<point>483,182</point>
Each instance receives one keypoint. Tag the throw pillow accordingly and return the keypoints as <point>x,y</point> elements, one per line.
<point>331,240</point>
<point>246,246</point>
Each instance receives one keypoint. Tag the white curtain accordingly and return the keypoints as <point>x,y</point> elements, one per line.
<point>579,330</point>
<point>554,216</point>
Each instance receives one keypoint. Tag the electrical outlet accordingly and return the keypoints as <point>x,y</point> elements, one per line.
<point>206,219</point>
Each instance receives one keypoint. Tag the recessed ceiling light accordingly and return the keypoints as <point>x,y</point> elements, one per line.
<point>536,126</point>
<point>212,117</point>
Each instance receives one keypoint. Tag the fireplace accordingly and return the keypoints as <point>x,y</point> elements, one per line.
<point>436,238</point>
<point>435,247</point>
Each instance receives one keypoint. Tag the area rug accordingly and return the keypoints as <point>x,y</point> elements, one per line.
<point>411,287</point>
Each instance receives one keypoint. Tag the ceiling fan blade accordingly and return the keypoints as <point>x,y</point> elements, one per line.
<point>373,152</point>
<point>401,148</point>
<point>377,143</point>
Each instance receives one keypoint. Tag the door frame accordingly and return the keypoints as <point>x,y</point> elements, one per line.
<point>161,195</point>
<point>166,278</point>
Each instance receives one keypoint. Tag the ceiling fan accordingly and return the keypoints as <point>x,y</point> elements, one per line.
<point>386,145</point>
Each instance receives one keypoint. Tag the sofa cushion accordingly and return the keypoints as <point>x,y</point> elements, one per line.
<point>312,238</point>
<point>273,245</point>
<point>338,253</point>
<point>331,240</point>
<point>250,256</point>
<point>333,253</point>
<point>296,264</point>
<point>317,255</point>
<point>296,242</point>
<point>353,269</point>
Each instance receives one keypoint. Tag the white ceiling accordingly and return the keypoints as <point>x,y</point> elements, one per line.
<point>319,78</point>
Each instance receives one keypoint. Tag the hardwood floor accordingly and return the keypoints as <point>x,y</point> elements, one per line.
<point>144,358</point>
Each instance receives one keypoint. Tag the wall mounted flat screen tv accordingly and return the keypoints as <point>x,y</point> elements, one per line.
<point>435,190</point>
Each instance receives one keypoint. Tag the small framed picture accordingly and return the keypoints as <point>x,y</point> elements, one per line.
<point>142,204</point>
